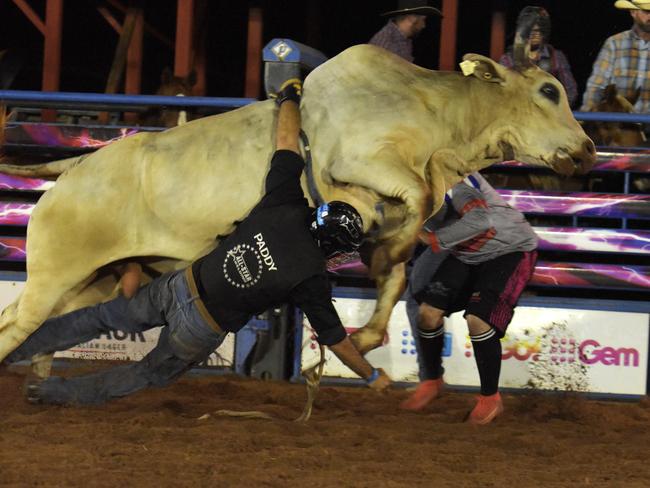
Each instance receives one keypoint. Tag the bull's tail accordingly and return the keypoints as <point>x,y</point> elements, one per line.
<point>50,170</point>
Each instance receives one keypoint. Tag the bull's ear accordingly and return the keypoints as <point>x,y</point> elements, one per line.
<point>483,68</point>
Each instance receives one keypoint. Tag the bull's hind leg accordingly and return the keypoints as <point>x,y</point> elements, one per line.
<point>39,298</point>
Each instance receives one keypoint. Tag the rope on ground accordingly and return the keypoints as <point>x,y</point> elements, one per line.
<point>312,377</point>
<point>253,414</point>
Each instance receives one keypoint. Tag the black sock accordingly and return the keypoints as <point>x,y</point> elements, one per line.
<point>487,351</point>
<point>431,343</point>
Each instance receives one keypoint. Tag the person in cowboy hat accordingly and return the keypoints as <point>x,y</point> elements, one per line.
<point>537,23</point>
<point>624,60</point>
<point>403,25</point>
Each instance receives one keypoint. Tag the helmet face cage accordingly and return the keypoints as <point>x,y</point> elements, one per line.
<point>337,228</point>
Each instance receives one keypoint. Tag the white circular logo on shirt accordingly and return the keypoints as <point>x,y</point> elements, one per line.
<point>242,267</point>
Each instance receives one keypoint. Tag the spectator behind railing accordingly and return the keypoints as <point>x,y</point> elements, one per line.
<point>624,61</point>
<point>535,23</point>
<point>403,25</point>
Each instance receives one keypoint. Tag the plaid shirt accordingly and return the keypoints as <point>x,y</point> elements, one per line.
<point>390,38</point>
<point>554,62</point>
<point>623,60</point>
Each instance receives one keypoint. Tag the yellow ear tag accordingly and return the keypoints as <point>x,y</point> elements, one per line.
<point>468,67</point>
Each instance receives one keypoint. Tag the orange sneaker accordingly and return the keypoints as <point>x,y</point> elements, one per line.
<point>486,410</point>
<point>425,393</point>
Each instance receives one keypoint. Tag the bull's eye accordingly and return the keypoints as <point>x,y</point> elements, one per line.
<point>551,92</point>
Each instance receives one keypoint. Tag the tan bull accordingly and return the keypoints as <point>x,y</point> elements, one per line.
<point>384,134</point>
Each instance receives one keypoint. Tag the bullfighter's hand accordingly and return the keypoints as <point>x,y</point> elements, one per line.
<point>382,381</point>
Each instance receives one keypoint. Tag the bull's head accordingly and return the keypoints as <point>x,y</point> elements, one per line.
<point>531,120</point>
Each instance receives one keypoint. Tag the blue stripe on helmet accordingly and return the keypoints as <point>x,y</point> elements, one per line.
<point>322,212</point>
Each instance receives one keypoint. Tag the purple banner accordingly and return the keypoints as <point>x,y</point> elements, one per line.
<point>8,182</point>
<point>619,241</point>
<point>14,213</point>
<point>582,204</point>
<point>60,135</point>
<point>580,275</point>
<point>12,248</point>
<point>583,275</point>
<point>637,162</point>
<point>546,274</point>
<point>551,238</point>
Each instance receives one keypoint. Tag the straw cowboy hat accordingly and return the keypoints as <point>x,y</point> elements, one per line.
<point>415,7</point>
<point>633,4</point>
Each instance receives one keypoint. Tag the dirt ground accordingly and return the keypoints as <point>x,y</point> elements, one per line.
<point>355,438</point>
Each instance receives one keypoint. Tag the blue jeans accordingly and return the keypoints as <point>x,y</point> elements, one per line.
<point>419,274</point>
<point>185,340</point>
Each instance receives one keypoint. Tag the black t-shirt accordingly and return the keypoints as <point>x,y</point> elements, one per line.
<point>271,258</point>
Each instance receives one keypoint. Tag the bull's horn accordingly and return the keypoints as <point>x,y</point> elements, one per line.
<point>520,52</point>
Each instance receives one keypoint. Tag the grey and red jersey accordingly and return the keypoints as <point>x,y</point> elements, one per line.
<point>475,224</point>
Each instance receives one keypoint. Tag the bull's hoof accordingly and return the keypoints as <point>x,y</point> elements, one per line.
<point>365,339</point>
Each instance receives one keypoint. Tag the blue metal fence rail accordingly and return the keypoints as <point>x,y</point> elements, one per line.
<point>112,100</point>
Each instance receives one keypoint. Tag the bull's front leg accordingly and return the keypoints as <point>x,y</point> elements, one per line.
<point>389,174</point>
<point>390,287</point>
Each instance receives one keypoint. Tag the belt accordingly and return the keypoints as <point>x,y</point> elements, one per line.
<point>200,306</point>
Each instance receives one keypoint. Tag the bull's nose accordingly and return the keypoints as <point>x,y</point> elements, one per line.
<point>585,161</point>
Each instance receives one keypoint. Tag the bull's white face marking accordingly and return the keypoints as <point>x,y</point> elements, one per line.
<point>281,50</point>
<point>242,267</point>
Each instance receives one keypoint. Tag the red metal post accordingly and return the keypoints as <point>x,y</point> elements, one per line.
<point>31,15</point>
<point>199,66</point>
<point>448,35</point>
<point>133,79</point>
<point>52,51</point>
<point>184,36</point>
<point>200,33</point>
<point>254,53</point>
<point>498,34</point>
<point>134,57</point>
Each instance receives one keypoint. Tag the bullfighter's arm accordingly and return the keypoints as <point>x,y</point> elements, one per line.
<point>475,220</point>
<point>288,129</point>
<point>313,296</point>
<point>283,180</point>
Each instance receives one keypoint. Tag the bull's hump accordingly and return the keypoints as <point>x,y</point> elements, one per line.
<point>369,65</point>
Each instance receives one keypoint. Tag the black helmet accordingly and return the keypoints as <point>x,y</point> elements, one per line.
<point>337,228</point>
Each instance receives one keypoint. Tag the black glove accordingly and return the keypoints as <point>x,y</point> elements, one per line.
<point>290,90</point>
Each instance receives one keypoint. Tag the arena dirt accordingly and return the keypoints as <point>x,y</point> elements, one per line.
<point>356,438</point>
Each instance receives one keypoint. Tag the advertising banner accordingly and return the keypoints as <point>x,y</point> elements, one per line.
<point>125,346</point>
<point>545,348</point>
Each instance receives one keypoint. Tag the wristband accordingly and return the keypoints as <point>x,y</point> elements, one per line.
<point>375,374</point>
